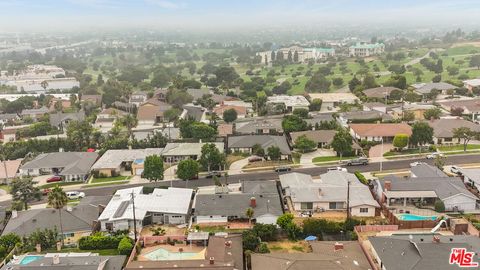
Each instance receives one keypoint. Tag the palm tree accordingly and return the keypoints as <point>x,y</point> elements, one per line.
<point>129,121</point>
<point>249,213</point>
<point>58,199</point>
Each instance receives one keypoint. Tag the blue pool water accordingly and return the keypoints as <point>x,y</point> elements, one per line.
<point>410,217</point>
<point>29,258</point>
<point>165,255</point>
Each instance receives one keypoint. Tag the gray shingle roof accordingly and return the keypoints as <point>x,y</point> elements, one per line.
<point>318,136</point>
<point>247,141</point>
<point>428,87</point>
<point>443,128</point>
<point>379,92</point>
<point>57,118</point>
<point>71,162</point>
<point>426,170</point>
<point>251,127</point>
<point>419,252</point>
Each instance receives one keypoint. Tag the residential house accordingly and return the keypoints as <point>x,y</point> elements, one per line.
<point>220,109</point>
<point>8,134</point>
<point>176,152</point>
<point>223,252</point>
<point>106,119</point>
<point>379,132</point>
<point>471,177</point>
<point>8,118</point>
<point>259,126</point>
<point>318,118</point>
<point>9,170</point>
<point>245,143</point>
<point>151,112</point>
<point>322,138</point>
<point>161,94</point>
<point>426,88</point>
<point>61,119</point>
<point>138,98</point>
<point>196,112</point>
<point>240,103</point>
<point>363,117</point>
<point>363,49</point>
<point>34,113</point>
<point>375,106</point>
<point>328,193</point>
<point>420,251</point>
<point>163,206</point>
<point>425,186</point>
<point>333,100</point>
<point>71,261</point>
<point>469,106</point>
<point>290,102</point>
<point>72,166</point>
<point>94,99</point>
<point>382,92</point>
<point>121,161</point>
<point>199,93</point>
<point>65,103</point>
<point>471,84</point>
<point>324,255</point>
<point>223,207</point>
<point>77,221</point>
<point>443,129</point>
<point>418,110</point>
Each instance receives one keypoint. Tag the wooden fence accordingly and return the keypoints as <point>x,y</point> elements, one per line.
<point>408,224</point>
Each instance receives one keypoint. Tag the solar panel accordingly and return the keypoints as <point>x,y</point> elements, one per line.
<point>121,209</point>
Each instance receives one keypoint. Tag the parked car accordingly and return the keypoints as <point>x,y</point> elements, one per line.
<point>416,163</point>
<point>73,195</point>
<point>255,159</point>
<point>54,178</point>
<point>434,155</point>
<point>211,174</point>
<point>337,169</point>
<point>46,191</point>
<point>282,169</point>
<point>356,161</point>
<point>455,170</point>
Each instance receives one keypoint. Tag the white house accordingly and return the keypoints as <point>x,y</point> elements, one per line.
<point>291,102</point>
<point>162,206</point>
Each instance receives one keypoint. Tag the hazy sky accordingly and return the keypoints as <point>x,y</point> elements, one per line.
<point>24,15</point>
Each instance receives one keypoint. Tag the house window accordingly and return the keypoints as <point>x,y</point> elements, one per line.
<point>306,206</point>
<point>335,205</point>
<point>364,210</point>
<point>67,235</point>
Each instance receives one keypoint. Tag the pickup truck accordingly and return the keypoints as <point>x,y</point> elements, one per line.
<point>356,161</point>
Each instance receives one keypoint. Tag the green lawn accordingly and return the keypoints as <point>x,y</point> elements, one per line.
<point>60,184</point>
<point>108,183</point>
<point>458,147</point>
<point>109,179</point>
<point>406,152</point>
<point>332,158</point>
<point>5,187</point>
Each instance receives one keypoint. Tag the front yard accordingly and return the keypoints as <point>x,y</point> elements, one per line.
<point>331,158</point>
<point>109,179</point>
<point>267,163</point>
<point>289,246</point>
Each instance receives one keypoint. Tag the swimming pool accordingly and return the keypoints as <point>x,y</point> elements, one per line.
<point>165,255</point>
<point>29,258</point>
<point>410,217</point>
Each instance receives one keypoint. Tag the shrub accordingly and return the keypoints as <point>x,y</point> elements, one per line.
<point>284,220</point>
<point>125,246</point>
<point>361,177</point>
<point>263,248</point>
<point>99,241</point>
<point>439,206</point>
<point>266,232</point>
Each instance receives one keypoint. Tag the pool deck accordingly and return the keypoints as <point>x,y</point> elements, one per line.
<point>200,250</point>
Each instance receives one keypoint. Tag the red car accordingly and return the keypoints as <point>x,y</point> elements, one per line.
<point>46,191</point>
<point>53,179</point>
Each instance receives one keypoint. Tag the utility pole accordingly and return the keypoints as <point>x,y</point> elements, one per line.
<point>134,218</point>
<point>348,199</point>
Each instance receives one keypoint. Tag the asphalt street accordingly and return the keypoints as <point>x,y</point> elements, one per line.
<point>271,175</point>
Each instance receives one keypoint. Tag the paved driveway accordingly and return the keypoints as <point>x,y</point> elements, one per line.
<point>376,151</point>
<point>236,167</point>
<point>169,174</point>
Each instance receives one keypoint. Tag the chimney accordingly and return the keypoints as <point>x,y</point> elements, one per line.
<point>253,202</point>
<point>338,246</point>
<point>388,185</point>
<point>436,239</point>
<point>212,260</point>
<point>56,259</point>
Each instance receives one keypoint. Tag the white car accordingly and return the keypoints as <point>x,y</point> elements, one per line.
<point>434,155</point>
<point>73,195</point>
<point>336,169</point>
<point>416,163</point>
<point>455,170</point>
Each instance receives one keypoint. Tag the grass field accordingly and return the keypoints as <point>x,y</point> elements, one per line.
<point>458,147</point>
<point>109,179</point>
<point>326,159</point>
<point>60,184</point>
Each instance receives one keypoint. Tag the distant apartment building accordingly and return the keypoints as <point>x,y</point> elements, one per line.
<point>297,54</point>
<point>362,49</point>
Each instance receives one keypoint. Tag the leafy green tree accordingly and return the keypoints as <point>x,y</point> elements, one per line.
<point>266,232</point>
<point>400,141</point>
<point>465,134</point>
<point>211,158</point>
<point>318,83</point>
<point>408,116</point>
<point>315,105</point>
<point>258,150</point>
<point>353,83</point>
<point>291,123</point>
<point>125,246</point>
<point>300,112</point>
<point>187,169</point>
<point>422,133</point>
<point>178,97</point>
<point>129,122</point>
<point>284,220</point>
<point>249,213</point>
<point>475,61</point>
<point>23,190</point>
<point>81,133</point>
<point>153,168</point>
<point>263,247</point>
<point>202,131</point>
<point>439,206</point>
<point>304,144</point>
<point>293,231</point>
<point>230,115</point>
<point>433,113</point>
<point>274,152</point>
<point>250,240</point>
<point>172,114</point>
<point>57,199</point>
<point>342,142</point>
<point>439,161</point>
<point>369,81</point>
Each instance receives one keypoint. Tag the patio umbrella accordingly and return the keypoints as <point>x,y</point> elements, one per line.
<point>311,238</point>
